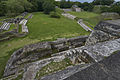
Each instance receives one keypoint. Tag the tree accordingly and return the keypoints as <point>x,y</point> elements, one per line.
<point>27,5</point>
<point>87,6</point>
<point>13,8</point>
<point>114,8</point>
<point>105,9</point>
<point>103,2</point>
<point>65,4</point>
<point>48,6</point>
<point>2,8</point>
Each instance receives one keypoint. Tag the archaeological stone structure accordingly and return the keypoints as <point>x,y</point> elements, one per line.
<point>76,8</point>
<point>93,57</point>
<point>110,15</point>
<point>20,22</point>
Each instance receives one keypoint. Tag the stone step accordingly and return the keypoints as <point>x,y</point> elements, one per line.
<point>84,26</point>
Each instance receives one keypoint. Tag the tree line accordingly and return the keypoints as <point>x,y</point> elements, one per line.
<point>98,6</point>
<point>15,7</point>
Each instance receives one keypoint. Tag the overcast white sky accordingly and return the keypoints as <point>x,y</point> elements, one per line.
<point>84,0</point>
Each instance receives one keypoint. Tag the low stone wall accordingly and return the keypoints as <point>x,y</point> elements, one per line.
<point>3,35</point>
<point>65,44</point>
<point>8,35</point>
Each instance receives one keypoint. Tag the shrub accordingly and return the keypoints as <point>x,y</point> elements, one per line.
<point>77,18</point>
<point>54,15</point>
<point>107,18</point>
<point>48,7</point>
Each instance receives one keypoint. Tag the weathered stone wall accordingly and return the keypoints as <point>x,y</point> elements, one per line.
<point>65,44</point>
<point>104,31</point>
<point>108,69</point>
<point>97,52</point>
<point>34,52</point>
<point>8,35</point>
<point>109,28</point>
<point>2,35</point>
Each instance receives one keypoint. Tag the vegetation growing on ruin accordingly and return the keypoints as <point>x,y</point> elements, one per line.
<point>53,67</point>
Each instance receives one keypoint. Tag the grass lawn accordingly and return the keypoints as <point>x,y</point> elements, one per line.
<point>91,18</point>
<point>41,28</point>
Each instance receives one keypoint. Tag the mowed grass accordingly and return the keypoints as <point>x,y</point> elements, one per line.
<point>92,18</point>
<point>41,28</point>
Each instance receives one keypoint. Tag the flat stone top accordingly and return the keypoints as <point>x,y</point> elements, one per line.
<point>115,22</point>
<point>108,69</point>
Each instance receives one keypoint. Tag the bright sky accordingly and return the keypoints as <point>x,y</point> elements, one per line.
<point>85,0</point>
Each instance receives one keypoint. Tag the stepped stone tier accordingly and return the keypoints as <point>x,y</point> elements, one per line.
<point>108,69</point>
<point>5,26</point>
<point>104,31</point>
<point>111,27</point>
<point>92,57</point>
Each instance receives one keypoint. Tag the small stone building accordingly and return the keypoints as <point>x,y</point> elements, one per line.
<point>76,8</point>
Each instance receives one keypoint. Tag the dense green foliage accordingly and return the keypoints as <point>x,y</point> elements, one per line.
<point>87,6</point>
<point>48,7</point>
<point>54,15</point>
<point>68,4</point>
<point>65,4</point>
<point>114,8</point>
<point>103,8</point>
<point>103,2</point>
<point>15,7</point>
